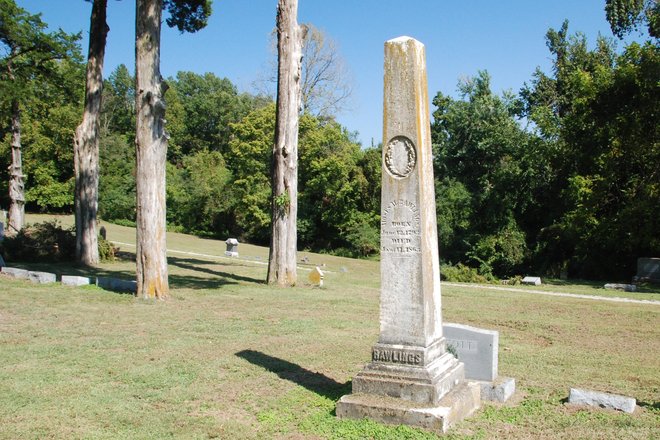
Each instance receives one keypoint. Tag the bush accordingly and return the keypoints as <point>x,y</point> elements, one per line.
<point>49,242</point>
<point>464,274</point>
<point>107,251</point>
<point>46,241</point>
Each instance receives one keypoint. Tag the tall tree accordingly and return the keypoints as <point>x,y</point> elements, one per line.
<point>325,85</point>
<point>86,141</point>
<point>29,55</point>
<point>150,136</point>
<point>284,173</point>
<point>625,16</point>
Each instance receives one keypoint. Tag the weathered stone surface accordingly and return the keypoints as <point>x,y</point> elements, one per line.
<point>71,280</point>
<point>232,247</point>
<point>604,400</point>
<point>117,284</point>
<point>624,287</point>
<point>459,403</point>
<point>42,277</point>
<point>477,349</point>
<point>499,390</point>
<point>15,272</point>
<point>535,281</point>
<point>411,379</point>
<point>316,276</point>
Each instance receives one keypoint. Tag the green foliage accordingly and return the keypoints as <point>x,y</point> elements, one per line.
<point>461,273</point>
<point>107,252</point>
<point>626,16</point>
<point>603,156</point>
<point>117,178</point>
<point>197,193</point>
<point>483,177</point>
<point>187,15</point>
<point>41,242</point>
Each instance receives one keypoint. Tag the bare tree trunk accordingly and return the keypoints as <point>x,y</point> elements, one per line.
<point>284,173</point>
<point>16,186</point>
<point>86,142</point>
<point>151,152</point>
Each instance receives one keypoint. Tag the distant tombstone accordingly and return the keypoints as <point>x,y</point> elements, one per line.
<point>103,232</point>
<point>15,272</point>
<point>316,277</point>
<point>624,287</point>
<point>116,284</point>
<point>232,247</point>
<point>534,281</point>
<point>648,269</point>
<point>2,262</point>
<point>72,280</point>
<point>412,378</point>
<point>42,277</point>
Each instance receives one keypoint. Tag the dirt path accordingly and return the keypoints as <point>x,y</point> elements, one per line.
<point>568,295</point>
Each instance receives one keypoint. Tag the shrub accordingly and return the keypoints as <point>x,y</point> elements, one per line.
<point>463,274</point>
<point>47,241</point>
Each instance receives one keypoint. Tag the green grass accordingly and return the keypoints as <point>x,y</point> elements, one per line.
<point>229,357</point>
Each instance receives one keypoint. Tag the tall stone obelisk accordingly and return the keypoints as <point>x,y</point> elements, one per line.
<point>411,379</point>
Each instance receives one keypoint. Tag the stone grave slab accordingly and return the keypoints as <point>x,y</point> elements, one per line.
<point>579,396</point>
<point>534,281</point>
<point>42,277</point>
<point>15,272</point>
<point>71,280</point>
<point>117,285</point>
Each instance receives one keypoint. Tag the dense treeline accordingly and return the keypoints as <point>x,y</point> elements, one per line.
<point>564,176</point>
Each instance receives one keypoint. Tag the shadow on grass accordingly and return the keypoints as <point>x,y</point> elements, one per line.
<point>315,382</point>
<point>218,279</point>
<point>198,266</point>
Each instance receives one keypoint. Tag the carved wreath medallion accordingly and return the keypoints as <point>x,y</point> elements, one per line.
<point>400,157</point>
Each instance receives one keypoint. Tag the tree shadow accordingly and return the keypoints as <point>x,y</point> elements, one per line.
<point>315,382</point>
<point>198,266</point>
<point>649,405</point>
<point>176,281</point>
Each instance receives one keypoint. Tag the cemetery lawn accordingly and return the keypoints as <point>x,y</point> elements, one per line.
<point>229,357</point>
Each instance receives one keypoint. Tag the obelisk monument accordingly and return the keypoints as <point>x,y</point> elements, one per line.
<point>411,379</point>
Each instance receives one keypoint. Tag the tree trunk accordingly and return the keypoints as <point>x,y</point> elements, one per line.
<point>284,173</point>
<point>86,142</point>
<point>151,151</point>
<point>16,186</point>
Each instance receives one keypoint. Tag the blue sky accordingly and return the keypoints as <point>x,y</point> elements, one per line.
<point>504,37</point>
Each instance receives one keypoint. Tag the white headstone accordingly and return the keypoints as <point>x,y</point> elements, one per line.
<point>535,281</point>
<point>72,280</point>
<point>232,247</point>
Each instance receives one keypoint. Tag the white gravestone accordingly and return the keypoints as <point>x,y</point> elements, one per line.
<point>478,349</point>
<point>411,379</point>
<point>232,247</point>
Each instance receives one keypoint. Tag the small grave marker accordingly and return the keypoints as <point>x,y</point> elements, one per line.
<point>535,281</point>
<point>316,276</point>
<point>232,247</point>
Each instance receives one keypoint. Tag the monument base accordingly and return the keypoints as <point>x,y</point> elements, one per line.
<point>461,402</point>
<point>419,374</point>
